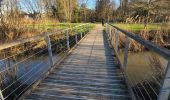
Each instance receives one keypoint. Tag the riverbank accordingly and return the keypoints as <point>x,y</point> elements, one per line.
<point>155,33</point>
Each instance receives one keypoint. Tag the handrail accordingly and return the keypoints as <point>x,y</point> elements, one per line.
<point>68,45</point>
<point>164,90</point>
<point>34,38</point>
<point>160,50</point>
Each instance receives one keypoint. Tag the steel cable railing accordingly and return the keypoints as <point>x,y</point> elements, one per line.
<point>153,77</point>
<point>131,83</point>
<point>150,86</point>
<point>20,66</point>
<point>146,92</point>
<point>23,60</point>
<point>28,85</point>
<point>21,84</point>
<point>147,88</point>
<point>19,78</point>
<point>138,88</point>
<point>10,68</point>
<point>16,87</point>
<point>35,79</point>
<point>15,54</point>
<point>144,85</point>
<point>157,82</point>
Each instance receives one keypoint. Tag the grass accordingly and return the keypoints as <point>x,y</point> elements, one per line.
<point>137,27</point>
<point>36,29</point>
<point>50,26</point>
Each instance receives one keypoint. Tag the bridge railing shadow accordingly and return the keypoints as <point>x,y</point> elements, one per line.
<point>146,66</point>
<point>24,63</point>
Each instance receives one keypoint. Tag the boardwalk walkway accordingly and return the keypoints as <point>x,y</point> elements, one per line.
<point>90,72</point>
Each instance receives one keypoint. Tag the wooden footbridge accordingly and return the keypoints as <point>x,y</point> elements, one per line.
<point>87,68</point>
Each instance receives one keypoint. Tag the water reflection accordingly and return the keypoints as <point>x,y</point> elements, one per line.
<point>140,63</point>
<point>144,72</point>
<point>17,76</point>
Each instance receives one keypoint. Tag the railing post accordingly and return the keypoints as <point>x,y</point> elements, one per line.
<point>84,30</point>
<point>111,38</point>
<point>110,30</point>
<point>1,95</point>
<point>117,41</point>
<point>126,53</point>
<point>106,27</point>
<point>76,36</point>
<point>81,35</point>
<point>49,50</point>
<point>165,89</point>
<point>67,38</point>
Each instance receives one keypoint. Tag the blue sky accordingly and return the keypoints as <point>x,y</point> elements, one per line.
<point>91,3</point>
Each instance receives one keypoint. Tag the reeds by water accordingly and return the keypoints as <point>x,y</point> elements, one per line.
<point>155,36</point>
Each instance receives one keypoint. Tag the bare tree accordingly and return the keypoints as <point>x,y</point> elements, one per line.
<point>150,9</point>
<point>10,20</point>
<point>105,9</point>
<point>83,7</point>
<point>65,8</point>
<point>123,4</point>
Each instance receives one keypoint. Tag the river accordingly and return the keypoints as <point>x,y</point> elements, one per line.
<point>145,72</point>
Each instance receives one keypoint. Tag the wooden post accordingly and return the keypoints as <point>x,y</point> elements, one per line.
<point>126,53</point>
<point>165,89</point>
<point>49,50</point>
<point>67,38</point>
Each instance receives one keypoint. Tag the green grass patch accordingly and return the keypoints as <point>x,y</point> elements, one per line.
<point>59,26</point>
<point>50,26</point>
<point>137,27</point>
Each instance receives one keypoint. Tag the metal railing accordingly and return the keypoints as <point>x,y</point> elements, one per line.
<point>143,85</point>
<point>24,62</point>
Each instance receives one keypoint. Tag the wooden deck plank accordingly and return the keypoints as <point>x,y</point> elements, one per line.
<point>90,72</point>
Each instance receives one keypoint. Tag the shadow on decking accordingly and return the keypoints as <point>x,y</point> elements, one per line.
<point>84,75</point>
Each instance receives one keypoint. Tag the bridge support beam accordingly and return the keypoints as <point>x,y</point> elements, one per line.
<point>49,50</point>
<point>165,89</point>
